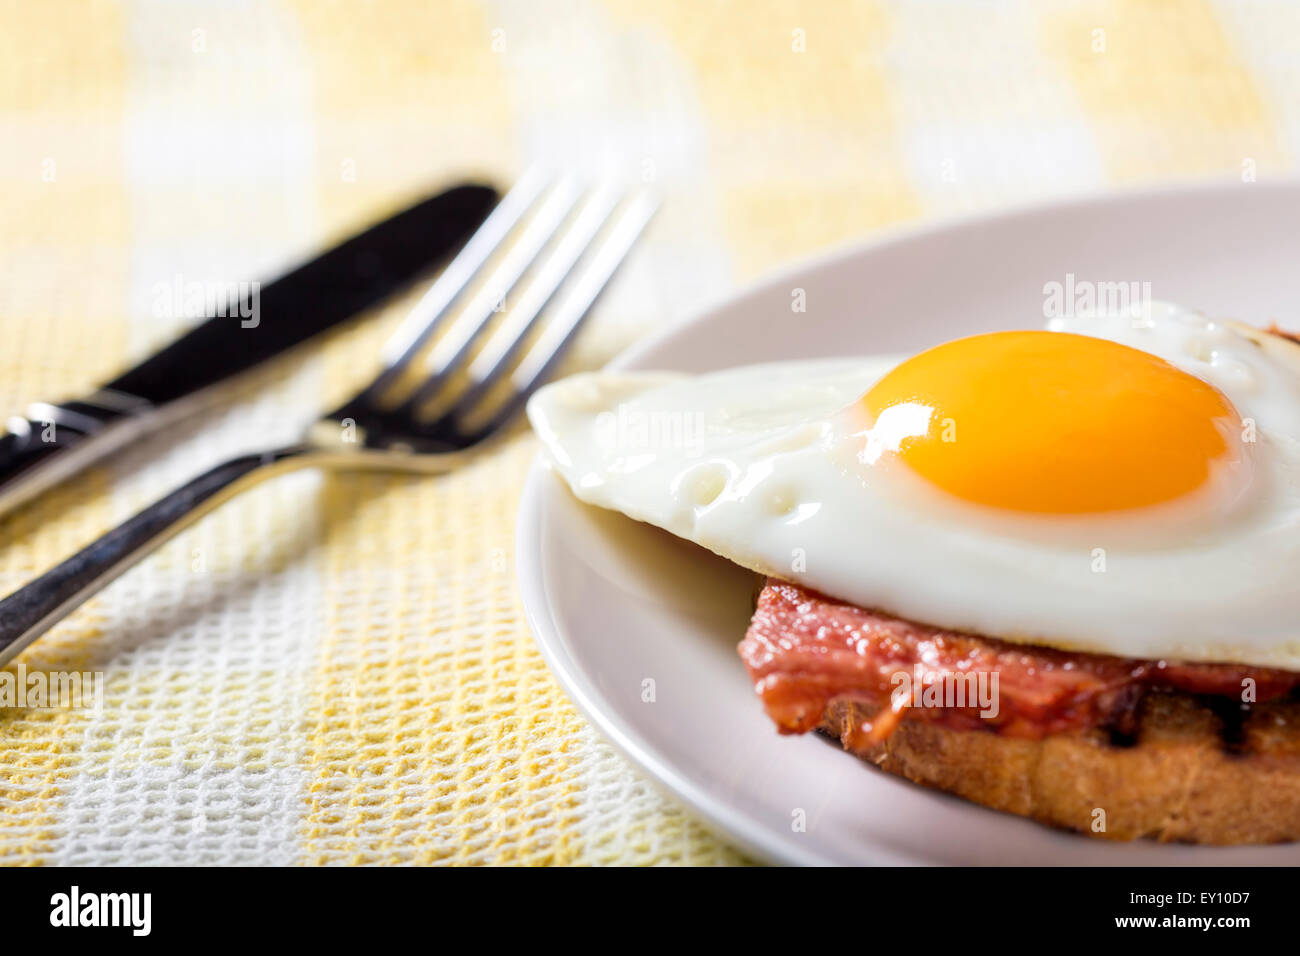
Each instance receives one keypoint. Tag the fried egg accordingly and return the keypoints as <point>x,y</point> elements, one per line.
<point>1124,484</point>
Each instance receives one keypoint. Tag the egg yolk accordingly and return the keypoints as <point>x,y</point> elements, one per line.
<point>1052,423</point>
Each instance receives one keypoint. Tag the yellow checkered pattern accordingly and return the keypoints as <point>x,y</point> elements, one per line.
<point>335,669</point>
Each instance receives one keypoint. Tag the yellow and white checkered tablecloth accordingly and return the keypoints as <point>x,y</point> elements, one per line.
<point>335,669</point>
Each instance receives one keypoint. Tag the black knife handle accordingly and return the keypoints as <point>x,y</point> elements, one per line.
<point>359,273</point>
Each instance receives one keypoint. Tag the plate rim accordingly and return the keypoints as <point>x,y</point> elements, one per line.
<point>753,838</point>
<point>750,836</point>
<point>917,229</point>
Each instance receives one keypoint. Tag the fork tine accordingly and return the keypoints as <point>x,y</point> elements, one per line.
<point>509,337</point>
<point>461,335</point>
<point>432,309</point>
<point>564,320</point>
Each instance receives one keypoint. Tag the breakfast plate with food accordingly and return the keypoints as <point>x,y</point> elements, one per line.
<point>976,544</point>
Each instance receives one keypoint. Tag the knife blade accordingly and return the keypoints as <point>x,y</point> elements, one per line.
<point>55,441</point>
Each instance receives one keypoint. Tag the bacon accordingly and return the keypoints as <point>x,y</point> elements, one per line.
<point>805,650</point>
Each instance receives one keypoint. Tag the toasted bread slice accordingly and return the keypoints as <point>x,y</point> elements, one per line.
<point>1194,771</point>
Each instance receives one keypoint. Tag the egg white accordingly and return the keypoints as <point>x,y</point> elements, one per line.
<point>761,465</point>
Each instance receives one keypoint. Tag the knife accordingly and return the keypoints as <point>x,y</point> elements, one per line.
<point>55,441</point>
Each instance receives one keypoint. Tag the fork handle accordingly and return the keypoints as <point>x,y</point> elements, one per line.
<point>33,609</point>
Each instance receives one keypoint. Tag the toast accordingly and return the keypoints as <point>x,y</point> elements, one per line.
<point>1193,771</point>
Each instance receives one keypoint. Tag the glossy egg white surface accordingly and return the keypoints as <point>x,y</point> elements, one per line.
<point>764,466</point>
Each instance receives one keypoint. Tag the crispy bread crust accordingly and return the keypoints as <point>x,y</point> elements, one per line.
<point>1195,772</point>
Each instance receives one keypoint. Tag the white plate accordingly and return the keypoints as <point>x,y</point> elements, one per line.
<point>614,603</point>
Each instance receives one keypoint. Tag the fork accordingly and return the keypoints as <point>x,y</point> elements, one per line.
<point>561,229</point>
